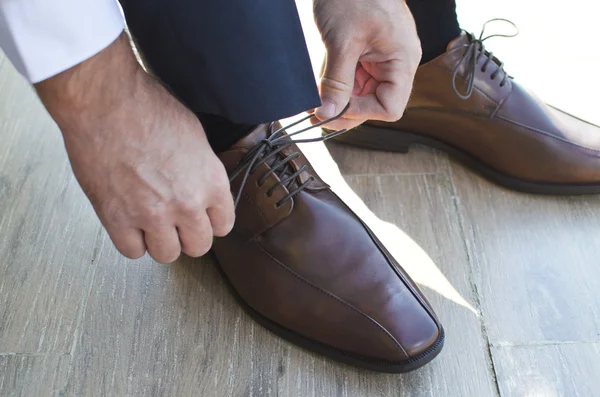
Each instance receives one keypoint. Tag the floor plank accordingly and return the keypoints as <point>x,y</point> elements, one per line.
<point>177,330</point>
<point>158,330</point>
<point>33,375</point>
<point>47,228</point>
<point>535,261</point>
<point>548,370</point>
<point>356,161</point>
<point>415,217</point>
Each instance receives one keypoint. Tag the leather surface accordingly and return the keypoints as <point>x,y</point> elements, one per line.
<point>506,127</point>
<point>314,268</point>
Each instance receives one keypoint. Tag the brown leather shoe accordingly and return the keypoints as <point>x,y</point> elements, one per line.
<point>481,116</point>
<point>306,267</point>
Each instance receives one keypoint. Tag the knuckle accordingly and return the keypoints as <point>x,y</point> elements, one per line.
<point>418,52</point>
<point>223,228</point>
<point>223,198</point>
<point>193,253</point>
<point>128,247</point>
<point>196,217</point>
<point>163,252</point>
<point>114,215</point>
<point>205,246</point>
<point>165,257</point>
<point>396,115</point>
<point>217,172</point>
<point>220,186</point>
<point>222,192</point>
<point>335,85</point>
<point>196,220</point>
<point>154,214</point>
<point>199,250</point>
<point>200,247</point>
<point>132,252</point>
<point>414,54</point>
<point>191,206</point>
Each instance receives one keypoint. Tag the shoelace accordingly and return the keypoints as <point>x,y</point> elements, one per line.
<point>476,50</point>
<point>269,148</point>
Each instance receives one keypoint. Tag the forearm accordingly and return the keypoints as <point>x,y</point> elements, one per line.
<point>98,83</point>
<point>45,37</point>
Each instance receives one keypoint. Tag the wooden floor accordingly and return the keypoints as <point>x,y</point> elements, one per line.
<point>513,277</point>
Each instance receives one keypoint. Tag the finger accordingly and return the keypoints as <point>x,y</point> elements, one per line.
<point>196,239</point>
<point>337,81</point>
<point>222,216</point>
<point>387,99</point>
<point>129,242</point>
<point>386,105</point>
<point>341,124</point>
<point>163,244</point>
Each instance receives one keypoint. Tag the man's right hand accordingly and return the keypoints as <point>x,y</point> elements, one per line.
<point>141,157</point>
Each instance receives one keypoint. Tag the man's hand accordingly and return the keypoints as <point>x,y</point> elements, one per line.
<point>373,52</point>
<point>140,156</point>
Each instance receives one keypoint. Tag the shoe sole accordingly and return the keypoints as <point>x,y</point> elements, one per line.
<point>389,140</point>
<point>339,355</point>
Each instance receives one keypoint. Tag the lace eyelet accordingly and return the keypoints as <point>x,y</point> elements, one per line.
<point>483,70</point>
<point>278,205</point>
<point>277,142</point>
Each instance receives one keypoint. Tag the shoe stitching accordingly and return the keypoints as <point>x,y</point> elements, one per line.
<point>549,135</point>
<point>450,111</point>
<point>473,114</point>
<point>259,211</point>
<point>573,116</point>
<point>255,206</point>
<point>475,87</point>
<point>391,263</point>
<point>335,298</point>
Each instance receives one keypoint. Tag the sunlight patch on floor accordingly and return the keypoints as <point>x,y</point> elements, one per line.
<point>403,248</point>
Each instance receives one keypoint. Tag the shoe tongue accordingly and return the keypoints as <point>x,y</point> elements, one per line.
<point>254,137</point>
<point>463,39</point>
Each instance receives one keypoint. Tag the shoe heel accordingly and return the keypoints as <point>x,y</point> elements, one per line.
<point>377,138</point>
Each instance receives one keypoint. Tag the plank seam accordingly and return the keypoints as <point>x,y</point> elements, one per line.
<point>474,289</point>
<point>544,343</point>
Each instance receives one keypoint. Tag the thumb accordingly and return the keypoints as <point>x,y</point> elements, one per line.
<point>337,83</point>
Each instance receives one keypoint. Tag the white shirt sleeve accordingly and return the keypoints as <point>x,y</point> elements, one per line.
<point>45,37</point>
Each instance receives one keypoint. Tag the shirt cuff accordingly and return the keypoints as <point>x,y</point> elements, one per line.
<point>45,37</point>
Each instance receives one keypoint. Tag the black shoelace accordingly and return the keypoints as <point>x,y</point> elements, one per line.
<point>268,150</point>
<point>476,50</point>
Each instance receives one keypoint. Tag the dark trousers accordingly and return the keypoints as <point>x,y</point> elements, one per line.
<point>238,63</point>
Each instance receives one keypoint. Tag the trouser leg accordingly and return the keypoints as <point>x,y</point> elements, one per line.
<point>437,25</point>
<point>235,63</point>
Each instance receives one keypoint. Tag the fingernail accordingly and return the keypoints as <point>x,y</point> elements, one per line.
<point>327,110</point>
